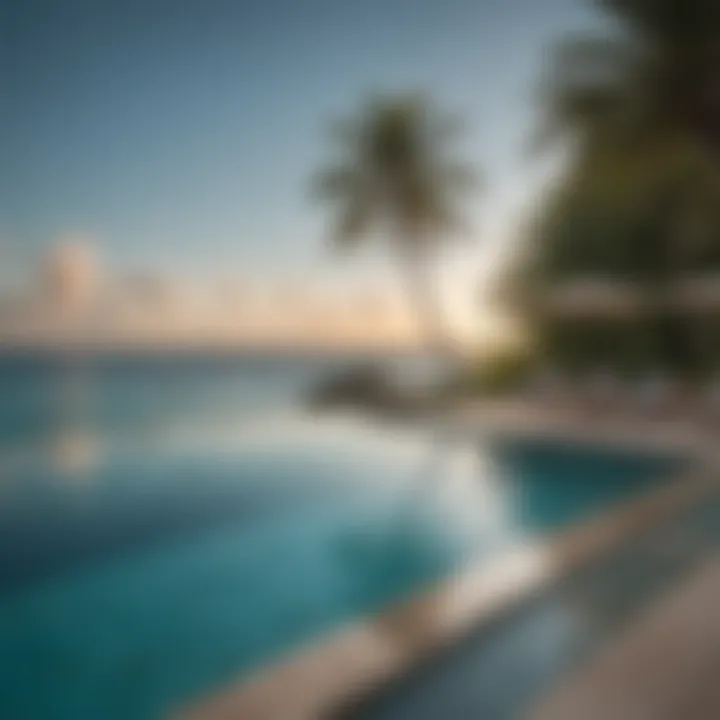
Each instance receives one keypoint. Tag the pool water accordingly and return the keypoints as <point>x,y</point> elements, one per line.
<point>168,530</point>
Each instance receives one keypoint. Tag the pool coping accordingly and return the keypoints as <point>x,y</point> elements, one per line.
<point>663,666</point>
<point>315,680</point>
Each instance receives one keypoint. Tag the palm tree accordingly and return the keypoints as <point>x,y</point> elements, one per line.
<point>395,174</point>
<point>655,77</point>
<point>648,96</point>
<point>639,107</point>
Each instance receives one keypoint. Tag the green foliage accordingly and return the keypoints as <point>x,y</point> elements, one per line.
<point>640,199</point>
<point>583,346</point>
<point>498,374</point>
<point>394,171</point>
<point>654,75</point>
<point>643,218</point>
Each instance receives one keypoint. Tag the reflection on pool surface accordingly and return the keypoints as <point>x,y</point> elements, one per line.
<point>144,563</point>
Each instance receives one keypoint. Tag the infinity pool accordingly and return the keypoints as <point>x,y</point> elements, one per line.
<point>144,565</point>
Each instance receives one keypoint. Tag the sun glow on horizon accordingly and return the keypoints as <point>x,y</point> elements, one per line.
<point>77,299</point>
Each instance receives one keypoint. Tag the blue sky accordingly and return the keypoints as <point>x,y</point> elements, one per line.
<point>180,135</point>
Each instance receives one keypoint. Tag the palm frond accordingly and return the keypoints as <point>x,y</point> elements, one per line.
<point>334,183</point>
<point>394,170</point>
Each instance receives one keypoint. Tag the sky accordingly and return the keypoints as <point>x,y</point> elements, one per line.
<point>180,136</point>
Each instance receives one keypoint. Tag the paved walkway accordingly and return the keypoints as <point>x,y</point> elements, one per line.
<point>667,667</point>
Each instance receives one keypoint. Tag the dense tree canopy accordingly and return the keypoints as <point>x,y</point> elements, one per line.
<point>638,111</point>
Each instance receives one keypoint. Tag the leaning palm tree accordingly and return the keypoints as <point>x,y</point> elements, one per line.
<point>395,175</point>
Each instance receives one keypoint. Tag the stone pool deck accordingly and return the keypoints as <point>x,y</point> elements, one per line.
<point>664,668</point>
<point>311,683</point>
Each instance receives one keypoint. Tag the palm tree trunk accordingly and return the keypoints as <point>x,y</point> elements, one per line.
<point>424,294</point>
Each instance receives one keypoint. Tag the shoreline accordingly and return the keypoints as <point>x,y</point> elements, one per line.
<point>335,669</point>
